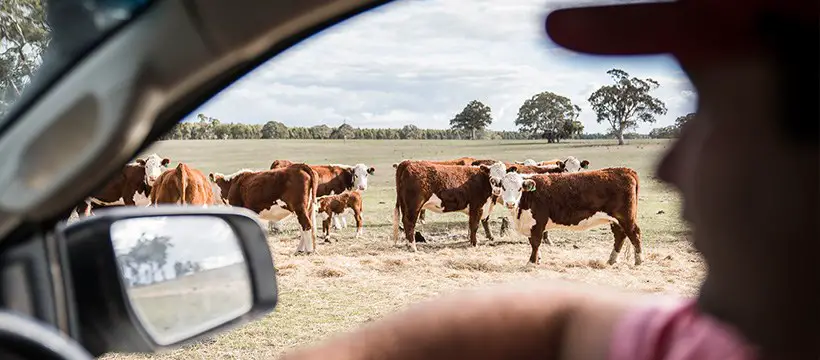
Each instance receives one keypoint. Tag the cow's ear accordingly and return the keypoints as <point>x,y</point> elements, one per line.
<point>165,161</point>
<point>395,165</point>
<point>484,168</point>
<point>528,185</point>
<point>371,170</point>
<point>211,177</point>
<point>585,164</point>
<point>512,169</point>
<point>141,162</point>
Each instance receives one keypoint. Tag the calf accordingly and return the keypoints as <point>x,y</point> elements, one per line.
<point>274,195</point>
<point>441,188</point>
<point>578,201</point>
<point>182,185</point>
<point>333,207</point>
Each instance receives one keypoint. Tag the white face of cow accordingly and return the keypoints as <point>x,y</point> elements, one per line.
<point>571,164</point>
<point>529,162</point>
<point>360,174</point>
<point>513,185</point>
<point>497,172</point>
<point>154,167</point>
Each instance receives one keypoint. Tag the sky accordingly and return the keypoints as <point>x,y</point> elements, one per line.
<point>207,240</point>
<point>421,61</point>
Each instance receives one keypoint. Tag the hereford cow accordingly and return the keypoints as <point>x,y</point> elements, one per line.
<point>578,201</point>
<point>182,185</point>
<point>274,195</point>
<point>131,186</point>
<point>441,188</point>
<point>334,178</point>
<point>465,160</point>
<point>334,207</point>
<point>570,163</point>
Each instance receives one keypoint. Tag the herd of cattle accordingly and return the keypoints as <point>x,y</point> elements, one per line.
<point>540,196</point>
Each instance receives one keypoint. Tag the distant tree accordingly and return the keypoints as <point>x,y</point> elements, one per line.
<point>681,120</point>
<point>474,117</point>
<point>345,131</point>
<point>671,131</point>
<point>275,130</point>
<point>549,116</point>
<point>411,132</point>
<point>321,132</point>
<point>625,103</point>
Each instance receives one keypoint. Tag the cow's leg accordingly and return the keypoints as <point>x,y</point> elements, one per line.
<point>546,239</point>
<point>421,217</point>
<point>486,224</point>
<point>337,221</point>
<point>505,226</point>
<point>409,218</point>
<point>620,236</point>
<point>475,218</point>
<point>344,220</point>
<point>307,242</point>
<point>536,233</point>
<point>326,228</point>
<point>357,214</point>
<point>634,233</point>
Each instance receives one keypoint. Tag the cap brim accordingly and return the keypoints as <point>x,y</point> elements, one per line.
<point>633,29</point>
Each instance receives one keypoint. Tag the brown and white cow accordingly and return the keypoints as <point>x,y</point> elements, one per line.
<point>334,178</point>
<point>441,188</point>
<point>182,185</point>
<point>570,163</point>
<point>334,207</point>
<point>464,161</point>
<point>131,186</point>
<point>577,201</point>
<point>274,195</point>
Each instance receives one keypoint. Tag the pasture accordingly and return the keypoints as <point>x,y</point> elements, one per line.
<point>349,281</point>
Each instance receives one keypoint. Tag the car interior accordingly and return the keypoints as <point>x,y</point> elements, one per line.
<point>89,111</point>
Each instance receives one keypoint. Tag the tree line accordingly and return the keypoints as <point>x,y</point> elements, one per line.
<point>144,263</point>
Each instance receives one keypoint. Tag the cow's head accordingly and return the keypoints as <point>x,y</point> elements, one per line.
<point>154,167</point>
<point>496,172</point>
<point>513,186</point>
<point>359,174</point>
<point>528,162</point>
<point>276,164</point>
<point>571,164</point>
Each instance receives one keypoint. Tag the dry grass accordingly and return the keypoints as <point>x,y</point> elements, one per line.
<point>349,282</point>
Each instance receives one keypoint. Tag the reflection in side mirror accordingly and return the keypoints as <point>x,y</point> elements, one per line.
<point>183,275</point>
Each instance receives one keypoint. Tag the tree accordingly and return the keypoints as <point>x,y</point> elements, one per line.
<point>626,103</point>
<point>345,131</point>
<point>24,35</point>
<point>475,117</point>
<point>275,130</point>
<point>681,120</point>
<point>671,131</point>
<point>411,132</point>
<point>549,115</point>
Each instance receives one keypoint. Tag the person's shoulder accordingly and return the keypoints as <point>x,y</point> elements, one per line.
<point>674,330</point>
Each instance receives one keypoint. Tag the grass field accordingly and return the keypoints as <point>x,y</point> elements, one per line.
<point>352,281</point>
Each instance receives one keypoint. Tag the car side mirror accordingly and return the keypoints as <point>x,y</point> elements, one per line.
<point>149,278</point>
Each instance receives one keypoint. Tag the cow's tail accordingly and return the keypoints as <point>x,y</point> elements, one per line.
<point>313,187</point>
<point>182,176</point>
<point>397,208</point>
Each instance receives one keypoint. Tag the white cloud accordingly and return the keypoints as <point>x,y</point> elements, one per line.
<point>420,62</point>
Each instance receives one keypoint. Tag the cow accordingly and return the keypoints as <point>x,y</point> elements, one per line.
<point>182,185</point>
<point>578,201</point>
<point>275,195</point>
<point>465,160</point>
<point>334,178</point>
<point>441,188</point>
<point>334,207</point>
<point>131,186</point>
<point>570,163</point>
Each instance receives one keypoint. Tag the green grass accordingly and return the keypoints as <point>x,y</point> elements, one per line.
<point>349,281</point>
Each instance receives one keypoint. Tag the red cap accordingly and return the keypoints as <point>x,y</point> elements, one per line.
<point>689,29</point>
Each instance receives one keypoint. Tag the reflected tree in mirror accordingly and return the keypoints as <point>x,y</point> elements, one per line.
<point>183,274</point>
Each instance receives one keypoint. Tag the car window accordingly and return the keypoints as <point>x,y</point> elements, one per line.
<point>39,39</point>
<point>441,80</point>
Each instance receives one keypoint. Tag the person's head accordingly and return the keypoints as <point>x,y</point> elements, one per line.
<point>747,165</point>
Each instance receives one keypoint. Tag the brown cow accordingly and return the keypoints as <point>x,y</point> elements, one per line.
<point>333,207</point>
<point>182,185</point>
<point>441,188</point>
<point>465,160</point>
<point>131,186</point>
<point>274,195</point>
<point>578,201</point>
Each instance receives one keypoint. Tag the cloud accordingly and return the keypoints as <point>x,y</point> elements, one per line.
<point>420,62</point>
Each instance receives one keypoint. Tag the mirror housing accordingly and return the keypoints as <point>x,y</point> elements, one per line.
<point>108,319</point>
